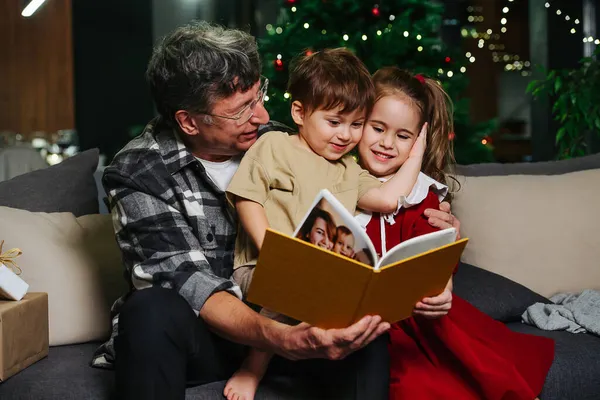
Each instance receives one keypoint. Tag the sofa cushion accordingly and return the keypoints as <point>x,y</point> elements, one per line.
<point>537,168</point>
<point>65,375</point>
<point>65,187</point>
<point>575,372</point>
<point>540,231</point>
<point>494,295</point>
<point>76,261</point>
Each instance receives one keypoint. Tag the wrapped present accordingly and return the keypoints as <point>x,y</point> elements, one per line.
<point>23,333</point>
<point>11,286</point>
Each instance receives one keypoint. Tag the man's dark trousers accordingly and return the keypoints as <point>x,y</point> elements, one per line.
<point>163,347</point>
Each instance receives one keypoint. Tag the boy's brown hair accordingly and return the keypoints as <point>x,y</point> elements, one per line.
<point>329,79</point>
<point>342,230</point>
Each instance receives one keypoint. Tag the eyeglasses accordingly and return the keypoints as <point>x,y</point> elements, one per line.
<point>247,112</point>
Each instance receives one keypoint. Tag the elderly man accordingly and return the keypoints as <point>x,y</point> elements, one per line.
<point>166,192</point>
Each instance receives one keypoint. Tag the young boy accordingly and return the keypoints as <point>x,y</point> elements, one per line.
<point>343,242</point>
<point>279,177</point>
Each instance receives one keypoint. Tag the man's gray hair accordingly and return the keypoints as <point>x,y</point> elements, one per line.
<point>197,64</point>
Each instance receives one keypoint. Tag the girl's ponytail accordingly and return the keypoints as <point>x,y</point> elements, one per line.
<point>439,153</point>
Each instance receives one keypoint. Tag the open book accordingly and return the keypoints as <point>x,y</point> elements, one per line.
<point>329,274</point>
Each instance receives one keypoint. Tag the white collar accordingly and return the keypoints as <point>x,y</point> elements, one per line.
<point>417,195</point>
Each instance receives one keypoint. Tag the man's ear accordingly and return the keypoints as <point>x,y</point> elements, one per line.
<point>186,122</point>
<point>298,113</point>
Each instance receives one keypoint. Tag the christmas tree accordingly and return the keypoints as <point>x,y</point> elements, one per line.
<point>405,33</point>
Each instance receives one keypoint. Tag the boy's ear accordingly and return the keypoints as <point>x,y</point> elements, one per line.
<point>298,113</point>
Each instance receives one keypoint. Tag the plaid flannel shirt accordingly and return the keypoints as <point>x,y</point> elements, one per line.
<point>173,225</point>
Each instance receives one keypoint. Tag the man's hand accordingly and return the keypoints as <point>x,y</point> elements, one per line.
<point>435,307</point>
<point>304,341</point>
<point>443,218</point>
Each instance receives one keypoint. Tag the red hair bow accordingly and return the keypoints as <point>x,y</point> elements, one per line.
<point>420,78</point>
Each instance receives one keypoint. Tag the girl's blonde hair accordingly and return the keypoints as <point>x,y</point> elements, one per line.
<point>434,106</point>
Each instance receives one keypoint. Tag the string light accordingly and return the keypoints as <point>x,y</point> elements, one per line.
<point>346,37</point>
<point>294,9</point>
<point>306,25</point>
<point>406,33</point>
<point>286,95</point>
<point>420,48</point>
<point>418,37</point>
<point>279,30</point>
<point>573,30</point>
<point>364,37</point>
<point>379,33</point>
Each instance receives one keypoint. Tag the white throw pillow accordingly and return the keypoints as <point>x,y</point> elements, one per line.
<point>76,261</point>
<point>540,231</point>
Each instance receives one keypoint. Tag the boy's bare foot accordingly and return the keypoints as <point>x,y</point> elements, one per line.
<point>242,385</point>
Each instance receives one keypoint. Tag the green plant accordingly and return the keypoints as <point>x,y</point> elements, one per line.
<point>575,94</point>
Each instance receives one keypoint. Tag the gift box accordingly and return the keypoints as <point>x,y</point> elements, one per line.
<point>23,333</point>
<point>11,286</point>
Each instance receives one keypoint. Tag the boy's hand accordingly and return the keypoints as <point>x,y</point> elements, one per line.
<point>420,144</point>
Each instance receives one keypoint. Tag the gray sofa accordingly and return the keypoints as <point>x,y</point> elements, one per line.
<point>65,373</point>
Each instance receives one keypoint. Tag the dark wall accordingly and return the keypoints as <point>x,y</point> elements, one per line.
<point>552,47</point>
<point>112,44</point>
<point>36,68</point>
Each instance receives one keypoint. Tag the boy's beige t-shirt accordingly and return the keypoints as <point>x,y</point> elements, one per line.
<point>285,179</point>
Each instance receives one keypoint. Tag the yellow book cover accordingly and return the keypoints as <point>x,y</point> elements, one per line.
<point>311,279</point>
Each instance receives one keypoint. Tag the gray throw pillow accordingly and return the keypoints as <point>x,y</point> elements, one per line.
<point>497,296</point>
<point>534,168</point>
<point>65,187</point>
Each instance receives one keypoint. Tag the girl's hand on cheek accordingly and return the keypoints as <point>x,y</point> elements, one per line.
<point>420,144</point>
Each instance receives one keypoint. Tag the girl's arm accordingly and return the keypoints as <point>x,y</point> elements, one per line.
<point>384,199</point>
<point>253,218</point>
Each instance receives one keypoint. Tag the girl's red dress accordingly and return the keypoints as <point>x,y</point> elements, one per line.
<point>465,354</point>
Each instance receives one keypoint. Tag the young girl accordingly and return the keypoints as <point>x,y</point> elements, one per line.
<point>279,177</point>
<point>464,354</point>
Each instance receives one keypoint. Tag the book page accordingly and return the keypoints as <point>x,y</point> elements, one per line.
<point>330,226</point>
<point>418,245</point>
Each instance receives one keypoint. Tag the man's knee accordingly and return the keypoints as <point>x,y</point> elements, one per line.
<point>148,315</point>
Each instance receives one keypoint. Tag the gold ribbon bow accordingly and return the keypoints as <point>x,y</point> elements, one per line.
<point>9,257</point>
